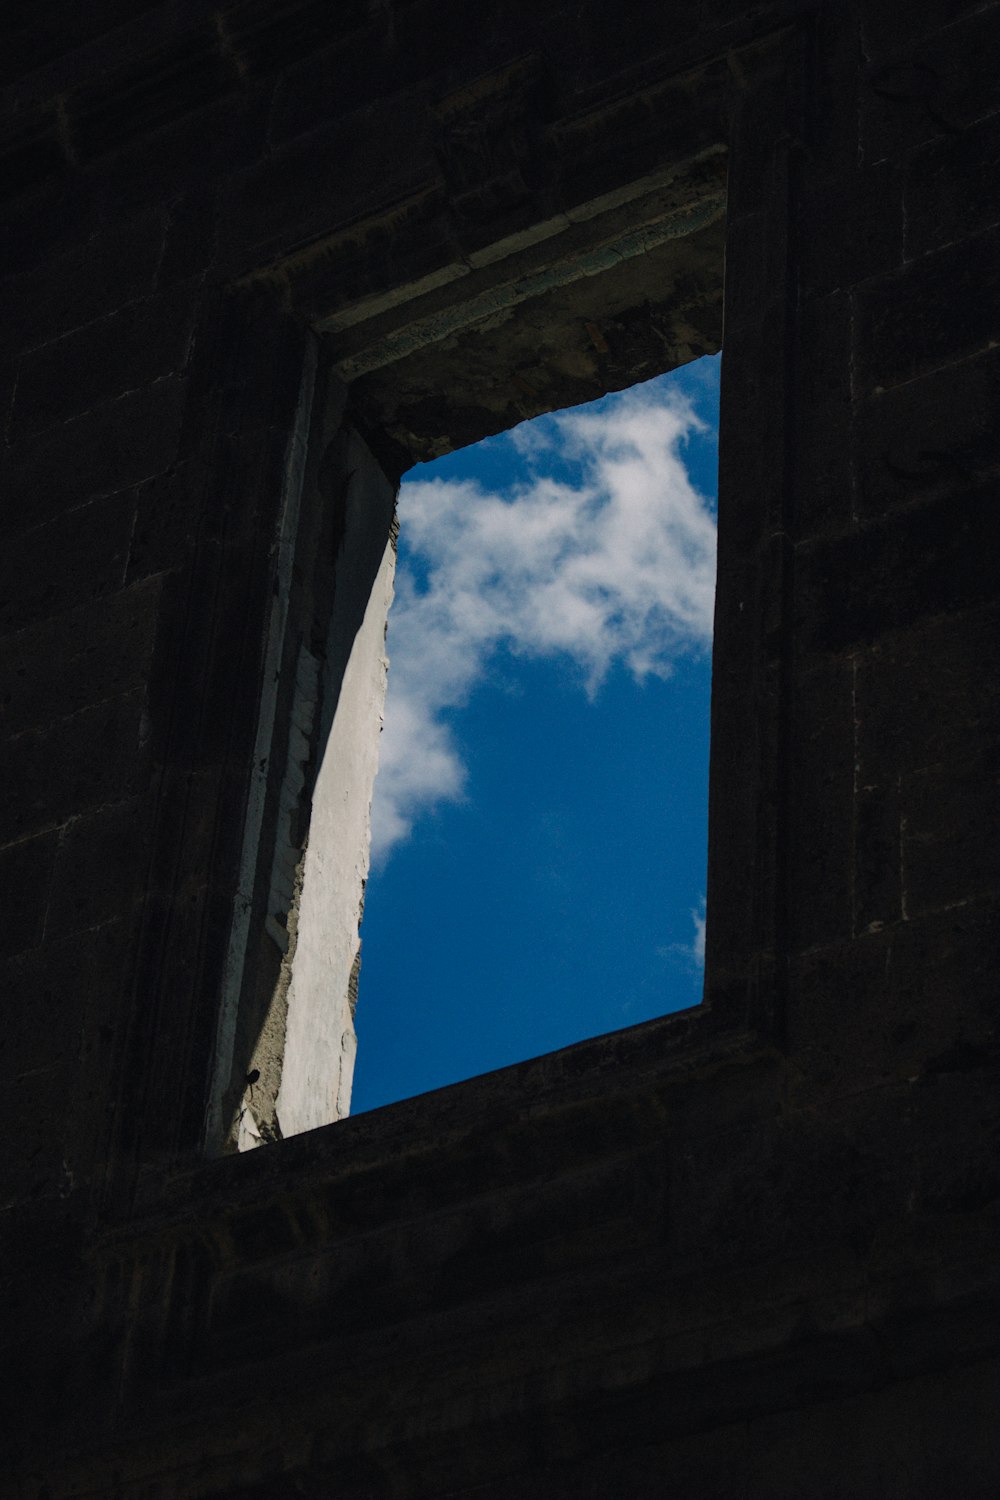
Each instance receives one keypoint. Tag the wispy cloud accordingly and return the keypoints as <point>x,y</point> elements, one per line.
<point>616,565</point>
<point>690,956</point>
<point>698,945</point>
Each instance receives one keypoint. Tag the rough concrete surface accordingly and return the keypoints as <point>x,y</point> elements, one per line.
<point>320,1041</point>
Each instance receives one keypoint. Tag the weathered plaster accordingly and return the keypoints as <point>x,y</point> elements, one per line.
<point>320,1041</point>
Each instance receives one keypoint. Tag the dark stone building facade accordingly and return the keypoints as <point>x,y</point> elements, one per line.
<point>749,1250</point>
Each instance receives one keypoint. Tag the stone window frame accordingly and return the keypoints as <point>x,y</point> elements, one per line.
<point>160,1128</point>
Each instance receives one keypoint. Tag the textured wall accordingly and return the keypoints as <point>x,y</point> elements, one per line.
<point>318,1065</point>
<point>746,1250</point>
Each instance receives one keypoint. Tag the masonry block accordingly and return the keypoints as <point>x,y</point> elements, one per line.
<point>935,312</point>
<point>952,188</point>
<point>923,697</point>
<point>63,1031</point>
<point>143,343</point>
<point>949,853</point>
<point>31,151</point>
<point>942,987</point>
<point>110,652</point>
<point>416,241</point>
<point>869,237</point>
<point>267,37</point>
<point>358,66</point>
<point>115,268</point>
<point>190,237</point>
<point>25,879</point>
<point>38,1167</point>
<point>93,881</point>
<point>39,579</point>
<point>138,97</point>
<point>194,503</point>
<point>840,1045</point>
<point>295,196</point>
<point>102,452</point>
<point>69,1016</point>
<point>44,43</point>
<point>959,1088</point>
<point>929,80</point>
<point>206,147</point>
<point>51,775</point>
<point>884,30</point>
<point>896,572</point>
<point>931,436</point>
<point>56,216</point>
<point>675,122</point>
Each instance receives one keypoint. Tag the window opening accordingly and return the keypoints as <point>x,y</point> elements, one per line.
<point>540,815</point>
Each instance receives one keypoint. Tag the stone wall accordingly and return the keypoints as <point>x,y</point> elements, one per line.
<point>749,1249</point>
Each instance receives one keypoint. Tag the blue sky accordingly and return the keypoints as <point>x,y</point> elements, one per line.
<point>540,816</point>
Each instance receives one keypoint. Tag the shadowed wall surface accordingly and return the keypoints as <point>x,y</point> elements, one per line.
<point>746,1250</point>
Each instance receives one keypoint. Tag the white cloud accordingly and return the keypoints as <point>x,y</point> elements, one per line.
<point>698,945</point>
<point>616,567</point>
<point>690,956</point>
